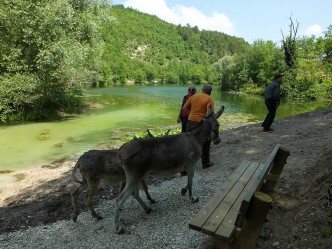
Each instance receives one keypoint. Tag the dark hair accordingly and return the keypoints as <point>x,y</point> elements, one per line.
<point>192,88</point>
<point>207,88</point>
<point>277,76</point>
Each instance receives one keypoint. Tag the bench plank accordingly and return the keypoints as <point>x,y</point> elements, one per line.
<point>227,228</point>
<point>272,156</point>
<point>205,212</point>
<point>217,217</point>
<point>256,185</point>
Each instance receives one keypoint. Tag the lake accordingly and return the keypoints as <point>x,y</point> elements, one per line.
<point>122,111</point>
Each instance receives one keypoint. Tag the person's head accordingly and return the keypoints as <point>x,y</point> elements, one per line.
<point>207,88</point>
<point>278,77</point>
<point>191,89</point>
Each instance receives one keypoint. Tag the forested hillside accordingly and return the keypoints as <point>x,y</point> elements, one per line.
<point>141,48</point>
<point>50,50</point>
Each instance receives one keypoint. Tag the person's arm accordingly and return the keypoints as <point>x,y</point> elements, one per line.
<point>183,102</point>
<point>187,105</point>
<point>210,106</point>
<point>179,116</point>
<point>276,93</point>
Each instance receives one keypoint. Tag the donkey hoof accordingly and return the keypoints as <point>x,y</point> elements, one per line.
<point>74,218</point>
<point>194,200</point>
<point>148,210</point>
<point>99,218</point>
<point>152,201</point>
<point>183,191</point>
<point>119,230</point>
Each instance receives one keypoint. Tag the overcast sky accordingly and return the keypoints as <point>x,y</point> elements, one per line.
<point>249,19</point>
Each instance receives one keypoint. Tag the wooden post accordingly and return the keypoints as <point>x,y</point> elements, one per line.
<point>254,221</point>
<point>275,171</point>
<point>223,244</point>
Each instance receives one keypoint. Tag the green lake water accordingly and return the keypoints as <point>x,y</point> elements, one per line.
<point>122,111</point>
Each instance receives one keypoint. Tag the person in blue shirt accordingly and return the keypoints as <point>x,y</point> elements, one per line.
<point>272,101</point>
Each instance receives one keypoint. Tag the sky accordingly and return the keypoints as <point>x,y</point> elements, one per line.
<point>249,19</point>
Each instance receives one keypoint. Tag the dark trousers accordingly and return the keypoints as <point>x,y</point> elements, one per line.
<point>271,105</point>
<point>184,121</point>
<point>206,146</point>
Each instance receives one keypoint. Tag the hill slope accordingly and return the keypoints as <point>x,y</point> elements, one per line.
<point>144,48</point>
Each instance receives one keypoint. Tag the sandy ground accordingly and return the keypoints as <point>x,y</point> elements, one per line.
<point>301,215</point>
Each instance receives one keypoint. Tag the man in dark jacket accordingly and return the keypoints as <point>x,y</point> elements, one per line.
<point>272,101</point>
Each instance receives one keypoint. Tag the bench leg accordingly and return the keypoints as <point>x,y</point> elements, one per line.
<point>223,244</point>
<point>276,169</point>
<point>254,221</point>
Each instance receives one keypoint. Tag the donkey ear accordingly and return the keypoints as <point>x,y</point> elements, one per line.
<point>218,114</point>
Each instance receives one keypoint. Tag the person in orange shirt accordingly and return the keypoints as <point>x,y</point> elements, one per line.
<point>200,105</point>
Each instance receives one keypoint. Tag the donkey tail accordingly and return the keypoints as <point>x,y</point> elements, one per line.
<point>74,175</point>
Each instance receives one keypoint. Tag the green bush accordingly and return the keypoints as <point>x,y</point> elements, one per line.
<point>19,94</point>
<point>321,91</point>
<point>252,88</point>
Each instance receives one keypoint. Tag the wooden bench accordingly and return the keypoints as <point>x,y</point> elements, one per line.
<point>235,214</point>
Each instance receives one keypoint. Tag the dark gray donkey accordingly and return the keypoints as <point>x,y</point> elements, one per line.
<point>95,165</point>
<point>163,157</point>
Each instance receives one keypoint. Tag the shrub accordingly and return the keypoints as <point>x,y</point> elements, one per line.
<point>18,95</point>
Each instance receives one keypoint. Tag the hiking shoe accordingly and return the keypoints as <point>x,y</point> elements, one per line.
<point>208,165</point>
<point>267,129</point>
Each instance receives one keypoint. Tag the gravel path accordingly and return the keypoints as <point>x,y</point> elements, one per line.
<point>165,227</point>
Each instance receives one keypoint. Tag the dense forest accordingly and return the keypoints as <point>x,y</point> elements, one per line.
<point>50,50</point>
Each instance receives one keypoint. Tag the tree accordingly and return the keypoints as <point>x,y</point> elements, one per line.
<point>56,43</point>
<point>289,44</point>
<point>328,44</point>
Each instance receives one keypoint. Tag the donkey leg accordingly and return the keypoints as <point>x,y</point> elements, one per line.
<point>184,190</point>
<point>93,187</point>
<point>122,186</point>
<point>145,188</point>
<point>190,184</point>
<point>140,201</point>
<point>131,185</point>
<point>74,196</point>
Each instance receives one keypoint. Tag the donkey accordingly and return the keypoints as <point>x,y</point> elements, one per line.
<point>163,157</point>
<point>94,166</point>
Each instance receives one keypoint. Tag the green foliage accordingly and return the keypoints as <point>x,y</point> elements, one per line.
<point>321,91</point>
<point>57,43</point>
<point>158,52</point>
<point>251,88</point>
<point>19,95</point>
<point>157,133</point>
<point>250,72</point>
<point>310,78</point>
